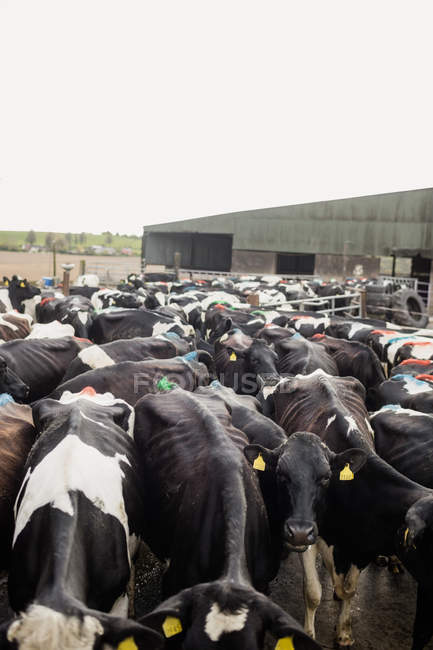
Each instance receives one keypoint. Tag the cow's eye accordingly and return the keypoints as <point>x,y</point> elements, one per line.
<point>324,481</point>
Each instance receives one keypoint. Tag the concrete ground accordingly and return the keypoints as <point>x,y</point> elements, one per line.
<point>383,610</point>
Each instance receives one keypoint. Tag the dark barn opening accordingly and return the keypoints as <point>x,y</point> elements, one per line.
<point>206,252</point>
<point>295,264</point>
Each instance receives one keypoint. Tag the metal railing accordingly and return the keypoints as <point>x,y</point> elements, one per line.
<point>354,308</point>
<point>401,281</point>
<point>111,273</point>
<point>209,275</point>
<point>423,288</point>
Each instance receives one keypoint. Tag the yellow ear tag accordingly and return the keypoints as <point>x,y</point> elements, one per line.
<point>22,284</point>
<point>346,474</point>
<point>127,644</point>
<point>171,626</point>
<point>286,643</point>
<point>259,463</point>
<point>6,283</point>
<point>233,356</point>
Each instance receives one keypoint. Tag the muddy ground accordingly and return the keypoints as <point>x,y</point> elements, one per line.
<point>383,610</point>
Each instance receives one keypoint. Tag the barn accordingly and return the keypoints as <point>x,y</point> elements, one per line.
<point>390,232</point>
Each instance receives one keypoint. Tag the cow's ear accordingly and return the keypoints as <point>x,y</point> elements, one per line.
<point>124,417</point>
<point>417,519</point>
<point>261,458</point>
<point>348,462</point>
<point>287,631</point>
<point>172,617</point>
<point>43,409</point>
<point>6,281</point>
<point>228,324</point>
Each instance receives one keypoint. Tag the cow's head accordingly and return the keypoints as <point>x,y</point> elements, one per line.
<point>243,363</point>
<point>12,384</point>
<point>225,615</point>
<point>20,290</point>
<point>44,628</point>
<point>302,468</point>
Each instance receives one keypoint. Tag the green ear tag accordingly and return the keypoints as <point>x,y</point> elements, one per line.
<point>286,643</point>
<point>259,463</point>
<point>171,626</point>
<point>164,384</point>
<point>346,474</point>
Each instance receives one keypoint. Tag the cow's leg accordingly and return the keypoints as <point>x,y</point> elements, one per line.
<point>423,626</point>
<point>312,588</point>
<point>345,588</point>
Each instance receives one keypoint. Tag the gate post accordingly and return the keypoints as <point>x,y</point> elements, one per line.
<point>363,303</point>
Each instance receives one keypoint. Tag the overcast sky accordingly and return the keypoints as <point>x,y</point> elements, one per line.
<point>119,113</point>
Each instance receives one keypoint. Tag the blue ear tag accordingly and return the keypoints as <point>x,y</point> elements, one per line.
<point>5,398</point>
<point>190,356</point>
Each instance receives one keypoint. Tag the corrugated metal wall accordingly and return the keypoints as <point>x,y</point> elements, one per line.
<point>371,225</point>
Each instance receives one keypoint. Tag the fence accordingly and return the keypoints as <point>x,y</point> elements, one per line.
<point>354,308</point>
<point>423,288</point>
<point>209,275</point>
<point>400,281</point>
<point>112,273</point>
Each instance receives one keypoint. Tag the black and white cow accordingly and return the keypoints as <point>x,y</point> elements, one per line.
<point>243,363</point>
<point>14,292</point>
<point>408,391</point>
<point>138,349</point>
<point>350,329</point>
<point>39,363</point>
<point>128,324</point>
<point>353,359</point>
<point>114,298</point>
<point>219,319</point>
<point>418,349</point>
<point>246,415</point>
<point>209,520</point>
<point>79,511</point>
<point>75,310</point>
<point>14,325</point>
<point>413,367</point>
<point>334,409</point>
<point>130,380</point>
<point>299,356</point>
<point>17,435</point>
<point>272,333</point>
<point>404,438</point>
<point>307,323</point>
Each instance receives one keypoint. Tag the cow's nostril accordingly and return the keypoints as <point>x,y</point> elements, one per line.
<point>311,535</point>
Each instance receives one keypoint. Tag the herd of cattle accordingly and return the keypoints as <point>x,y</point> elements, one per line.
<point>224,436</point>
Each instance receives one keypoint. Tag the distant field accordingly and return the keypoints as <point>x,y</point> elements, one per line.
<point>34,266</point>
<point>14,239</point>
